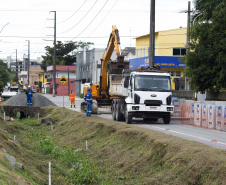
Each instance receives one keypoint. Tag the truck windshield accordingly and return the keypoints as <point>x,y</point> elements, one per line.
<point>152,83</point>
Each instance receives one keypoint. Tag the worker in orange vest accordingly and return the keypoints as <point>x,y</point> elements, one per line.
<point>72,98</point>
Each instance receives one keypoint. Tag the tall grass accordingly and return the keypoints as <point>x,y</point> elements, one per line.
<point>79,170</point>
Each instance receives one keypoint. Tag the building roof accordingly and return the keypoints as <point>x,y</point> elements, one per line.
<point>61,68</point>
<point>159,32</point>
<point>129,50</point>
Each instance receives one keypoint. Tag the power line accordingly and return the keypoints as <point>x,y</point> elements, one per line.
<point>81,18</point>
<point>38,46</point>
<point>103,18</point>
<point>73,13</point>
<point>91,20</point>
<point>97,37</point>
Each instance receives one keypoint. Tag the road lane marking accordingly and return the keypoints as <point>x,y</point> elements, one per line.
<point>180,133</point>
<point>200,138</point>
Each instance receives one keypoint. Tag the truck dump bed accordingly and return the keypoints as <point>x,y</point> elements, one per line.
<point>116,85</point>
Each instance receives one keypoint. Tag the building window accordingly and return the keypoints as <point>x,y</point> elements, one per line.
<point>87,67</point>
<point>140,52</point>
<point>175,73</point>
<point>137,53</point>
<point>147,51</point>
<point>179,51</point>
<point>144,52</point>
<point>178,73</point>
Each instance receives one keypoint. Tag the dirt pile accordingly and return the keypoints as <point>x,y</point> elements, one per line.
<point>37,101</point>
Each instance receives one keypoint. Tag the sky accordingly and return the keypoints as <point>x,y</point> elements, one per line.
<point>81,20</point>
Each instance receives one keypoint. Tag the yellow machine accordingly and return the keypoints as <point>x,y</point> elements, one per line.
<point>14,86</point>
<point>100,91</point>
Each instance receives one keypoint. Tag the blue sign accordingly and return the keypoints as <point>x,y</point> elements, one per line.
<point>162,61</point>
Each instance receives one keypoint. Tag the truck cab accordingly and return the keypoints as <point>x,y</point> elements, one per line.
<point>143,94</point>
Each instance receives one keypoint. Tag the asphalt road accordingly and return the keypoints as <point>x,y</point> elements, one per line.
<point>210,137</point>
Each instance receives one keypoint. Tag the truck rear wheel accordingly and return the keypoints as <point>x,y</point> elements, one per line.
<point>113,112</point>
<point>166,119</point>
<point>118,112</point>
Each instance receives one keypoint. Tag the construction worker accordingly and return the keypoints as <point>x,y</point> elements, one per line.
<point>29,96</point>
<point>72,98</point>
<point>89,101</point>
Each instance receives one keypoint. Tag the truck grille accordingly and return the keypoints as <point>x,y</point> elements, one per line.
<point>153,102</point>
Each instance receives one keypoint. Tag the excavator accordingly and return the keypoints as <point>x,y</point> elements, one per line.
<point>100,92</point>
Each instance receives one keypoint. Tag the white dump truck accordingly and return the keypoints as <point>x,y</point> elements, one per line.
<point>143,94</point>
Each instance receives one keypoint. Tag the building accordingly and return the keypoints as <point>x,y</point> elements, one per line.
<point>22,64</point>
<point>68,72</point>
<point>89,67</point>
<point>170,47</point>
<point>22,77</point>
<point>129,53</point>
<point>44,77</point>
<point>33,74</point>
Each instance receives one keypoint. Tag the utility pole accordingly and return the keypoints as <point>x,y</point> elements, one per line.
<point>188,11</point>
<point>152,35</point>
<point>28,63</point>
<point>68,82</point>
<point>16,68</point>
<point>188,27</point>
<point>54,67</point>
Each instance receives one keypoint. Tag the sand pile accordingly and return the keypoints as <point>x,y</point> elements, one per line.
<point>37,100</point>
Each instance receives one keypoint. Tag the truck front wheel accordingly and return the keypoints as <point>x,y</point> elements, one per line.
<point>128,118</point>
<point>166,119</point>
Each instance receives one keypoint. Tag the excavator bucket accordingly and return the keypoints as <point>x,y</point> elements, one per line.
<point>94,108</point>
<point>117,66</point>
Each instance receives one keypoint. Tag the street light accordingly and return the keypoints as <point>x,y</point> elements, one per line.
<point>188,11</point>
<point>4,26</point>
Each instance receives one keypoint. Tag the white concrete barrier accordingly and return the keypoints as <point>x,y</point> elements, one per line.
<point>211,116</point>
<point>197,113</point>
<point>204,116</point>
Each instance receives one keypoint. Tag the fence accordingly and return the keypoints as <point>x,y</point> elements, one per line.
<point>201,114</point>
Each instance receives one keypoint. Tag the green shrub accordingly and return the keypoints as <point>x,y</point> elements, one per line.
<point>22,90</point>
<point>81,95</point>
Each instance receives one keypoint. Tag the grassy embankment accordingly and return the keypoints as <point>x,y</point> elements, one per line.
<point>117,153</point>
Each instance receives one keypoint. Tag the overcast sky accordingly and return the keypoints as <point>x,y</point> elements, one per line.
<point>85,20</point>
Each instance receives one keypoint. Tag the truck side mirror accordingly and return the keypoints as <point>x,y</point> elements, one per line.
<point>126,82</point>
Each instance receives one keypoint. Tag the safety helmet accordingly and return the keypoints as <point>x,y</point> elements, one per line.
<point>89,89</point>
<point>29,86</point>
<point>71,90</point>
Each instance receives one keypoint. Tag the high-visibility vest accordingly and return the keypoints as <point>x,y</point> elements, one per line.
<point>72,96</point>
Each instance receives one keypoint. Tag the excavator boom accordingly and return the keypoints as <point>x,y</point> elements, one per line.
<point>100,92</point>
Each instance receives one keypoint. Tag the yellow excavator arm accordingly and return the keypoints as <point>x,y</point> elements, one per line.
<point>100,91</point>
<point>113,43</point>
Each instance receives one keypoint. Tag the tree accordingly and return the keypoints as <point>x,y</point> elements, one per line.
<point>5,75</point>
<point>206,63</point>
<point>65,53</point>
